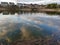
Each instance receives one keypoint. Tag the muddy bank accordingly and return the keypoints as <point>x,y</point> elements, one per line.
<point>31,9</point>
<point>49,10</point>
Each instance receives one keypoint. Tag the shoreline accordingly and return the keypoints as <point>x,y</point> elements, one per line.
<point>38,10</point>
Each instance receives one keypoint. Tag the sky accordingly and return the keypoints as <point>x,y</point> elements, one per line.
<point>33,1</point>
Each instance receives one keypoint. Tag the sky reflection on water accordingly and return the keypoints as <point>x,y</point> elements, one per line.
<point>13,26</point>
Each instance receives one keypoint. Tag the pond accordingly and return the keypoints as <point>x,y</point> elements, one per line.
<point>29,27</point>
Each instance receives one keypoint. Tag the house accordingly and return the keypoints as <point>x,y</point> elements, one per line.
<point>11,3</point>
<point>4,4</point>
<point>19,4</point>
<point>42,6</point>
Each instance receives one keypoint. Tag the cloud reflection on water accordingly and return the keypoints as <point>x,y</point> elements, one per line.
<point>9,24</point>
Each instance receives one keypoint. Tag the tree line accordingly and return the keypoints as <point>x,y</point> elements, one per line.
<point>53,5</point>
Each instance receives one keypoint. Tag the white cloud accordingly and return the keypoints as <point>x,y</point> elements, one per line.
<point>33,1</point>
<point>8,1</point>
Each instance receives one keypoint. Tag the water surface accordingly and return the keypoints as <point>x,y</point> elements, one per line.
<point>29,26</point>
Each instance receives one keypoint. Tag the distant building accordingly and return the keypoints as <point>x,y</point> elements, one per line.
<point>42,6</point>
<point>0,5</point>
<point>11,3</point>
<point>19,4</point>
<point>4,4</point>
